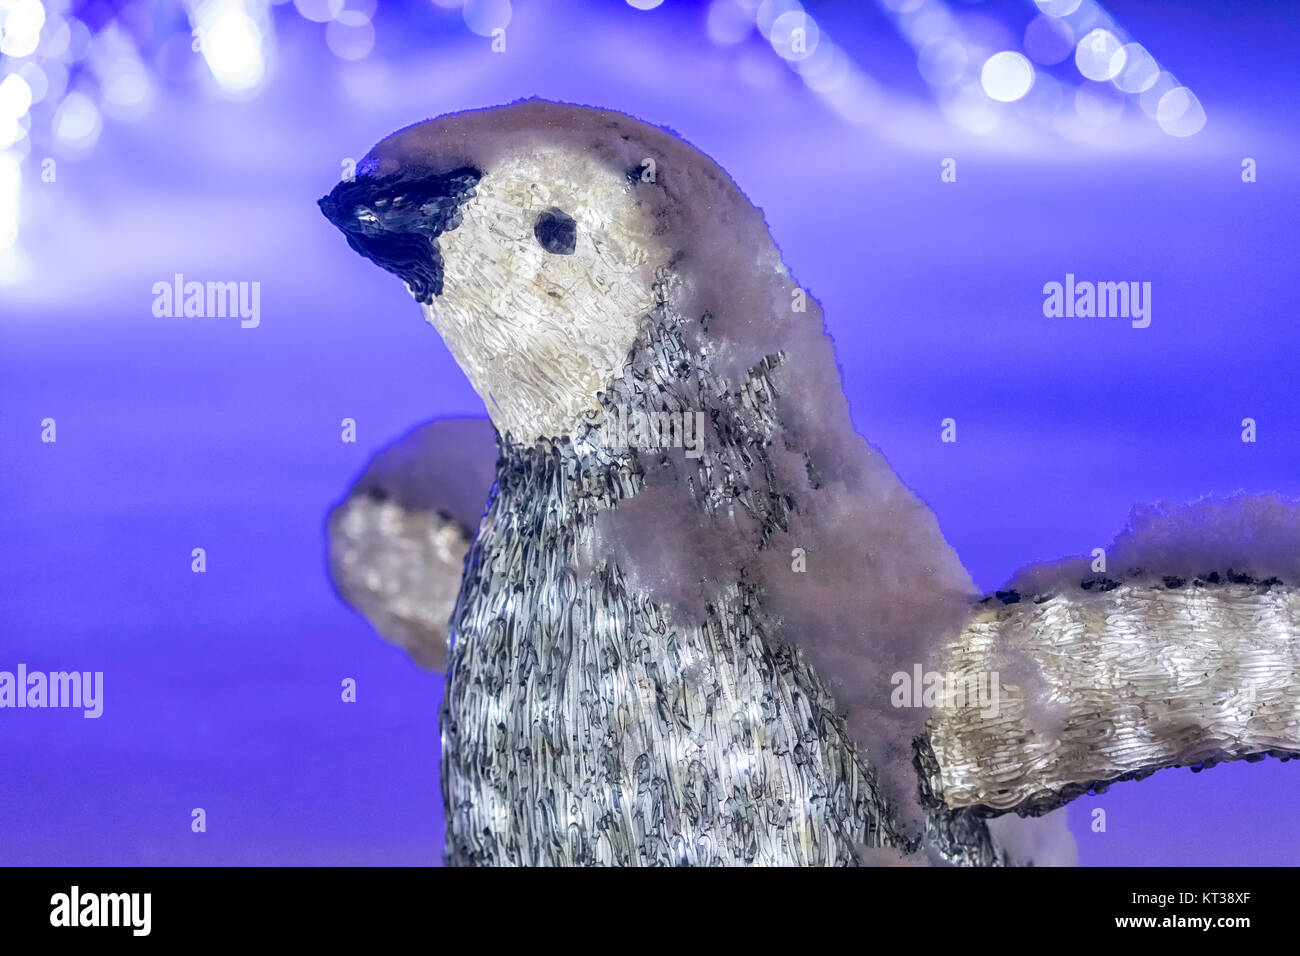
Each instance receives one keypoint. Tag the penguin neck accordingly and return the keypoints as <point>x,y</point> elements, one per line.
<point>653,406</point>
<point>666,419</point>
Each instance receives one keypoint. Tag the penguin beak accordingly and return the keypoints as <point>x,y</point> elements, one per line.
<point>394,221</point>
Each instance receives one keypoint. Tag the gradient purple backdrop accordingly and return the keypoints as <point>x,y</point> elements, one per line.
<point>222,689</point>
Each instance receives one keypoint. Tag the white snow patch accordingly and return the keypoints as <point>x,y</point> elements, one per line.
<point>1258,535</point>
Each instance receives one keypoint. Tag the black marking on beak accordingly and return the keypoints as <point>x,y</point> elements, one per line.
<point>395,221</point>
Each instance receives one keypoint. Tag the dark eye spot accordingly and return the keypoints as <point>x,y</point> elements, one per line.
<point>557,232</point>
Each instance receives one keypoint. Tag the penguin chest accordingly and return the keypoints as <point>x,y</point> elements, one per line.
<point>582,725</point>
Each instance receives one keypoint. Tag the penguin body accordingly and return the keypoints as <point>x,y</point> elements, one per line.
<point>676,644</point>
<point>625,680</point>
<point>583,723</point>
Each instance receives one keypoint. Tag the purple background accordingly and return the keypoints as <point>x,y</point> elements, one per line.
<point>222,689</point>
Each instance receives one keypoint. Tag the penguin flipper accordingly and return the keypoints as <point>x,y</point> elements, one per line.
<point>1111,676</point>
<point>397,542</point>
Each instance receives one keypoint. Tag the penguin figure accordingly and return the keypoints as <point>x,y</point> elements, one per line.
<point>695,618</point>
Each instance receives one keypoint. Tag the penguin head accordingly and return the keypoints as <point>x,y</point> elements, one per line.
<point>530,234</point>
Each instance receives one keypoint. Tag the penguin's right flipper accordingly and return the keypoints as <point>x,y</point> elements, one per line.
<point>397,543</point>
<point>1186,652</point>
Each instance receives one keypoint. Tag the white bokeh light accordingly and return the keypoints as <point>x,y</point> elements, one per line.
<point>1044,99</point>
<point>1006,76</point>
<point>55,39</point>
<point>127,88</point>
<point>77,122</point>
<point>942,62</point>
<point>827,70</point>
<point>18,44</point>
<point>15,96</point>
<point>1180,113</point>
<point>818,60</point>
<point>927,23</point>
<point>36,79</point>
<point>1099,55</point>
<point>12,130</point>
<point>794,35</point>
<point>20,26</point>
<point>1058,8</point>
<point>232,47</point>
<point>644,4</point>
<point>1140,69</point>
<point>769,11</point>
<point>79,39</point>
<point>484,16</point>
<point>56,82</point>
<point>1149,99</point>
<point>1049,40</point>
<point>319,11</point>
<point>351,36</point>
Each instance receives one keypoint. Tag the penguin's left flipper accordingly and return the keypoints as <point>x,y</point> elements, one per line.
<point>1074,678</point>
<point>397,543</point>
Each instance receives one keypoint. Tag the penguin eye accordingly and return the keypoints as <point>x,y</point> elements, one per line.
<point>556,232</point>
